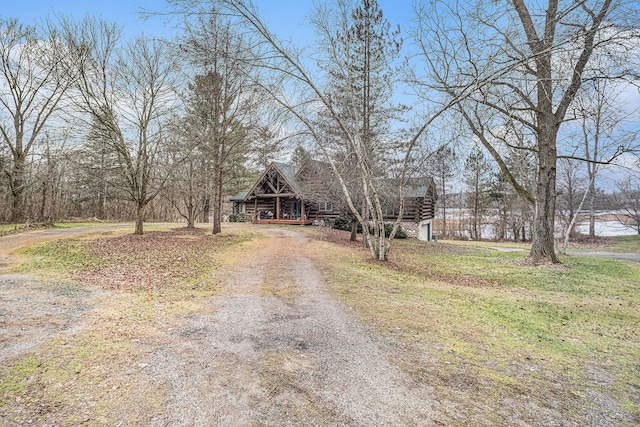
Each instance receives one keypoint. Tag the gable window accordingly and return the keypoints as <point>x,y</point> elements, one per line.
<point>390,211</point>
<point>325,207</point>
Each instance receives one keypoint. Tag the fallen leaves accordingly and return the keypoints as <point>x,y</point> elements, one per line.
<point>158,259</point>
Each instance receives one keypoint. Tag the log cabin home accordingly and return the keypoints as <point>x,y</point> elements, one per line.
<point>287,194</point>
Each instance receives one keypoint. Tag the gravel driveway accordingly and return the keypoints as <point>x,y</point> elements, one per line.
<point>259,359</point>
<point>15,241</point>
<point>32,312</point>
<point>275,349</point>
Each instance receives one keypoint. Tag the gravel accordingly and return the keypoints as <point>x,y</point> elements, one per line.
<point>31,312</point>
<point>258,359</point>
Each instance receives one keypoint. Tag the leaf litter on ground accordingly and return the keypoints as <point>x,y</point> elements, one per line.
<point>158,258</point>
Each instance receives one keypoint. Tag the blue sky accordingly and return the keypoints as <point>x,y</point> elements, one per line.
<point>121,11</point>
<point>285,17</point>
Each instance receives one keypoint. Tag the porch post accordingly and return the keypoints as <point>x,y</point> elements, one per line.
<point>255,210</point>
<point>277,207</point>
<point>302,218</point>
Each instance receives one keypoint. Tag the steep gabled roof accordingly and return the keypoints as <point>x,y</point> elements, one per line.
<point>290,173</point>
<point>420,187</point>
<point>286,172</point>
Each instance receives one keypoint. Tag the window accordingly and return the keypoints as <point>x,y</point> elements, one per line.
<point>325,206</point>
<point>390,211</point>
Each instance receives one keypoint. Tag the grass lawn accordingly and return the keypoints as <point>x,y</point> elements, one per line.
<point>627,244</point>
<point>481,323</point>
<point>491,335</point>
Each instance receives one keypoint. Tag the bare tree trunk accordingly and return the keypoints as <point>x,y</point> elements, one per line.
<point>444,217</point>
<point>206,209</point>
<point>574,218</point>
<point>542,245</point>
<point>103,202</point>
<point>476,209</point>
<point>102,193</point>
<point>365,223</point>
<point>217,201</point>
<point>16,182</point>
<point>139,219</point>
<point>191,214</point>
<point>592,208</point>
<point>503,224</point>
<point>43,205</point>
<point>354,229</point>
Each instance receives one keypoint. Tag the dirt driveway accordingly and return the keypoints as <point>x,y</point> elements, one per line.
<point>274,349</point>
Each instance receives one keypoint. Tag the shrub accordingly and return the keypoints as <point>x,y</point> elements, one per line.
<point>237,217</point>
<point>344,223</point>
<point>400,233</point>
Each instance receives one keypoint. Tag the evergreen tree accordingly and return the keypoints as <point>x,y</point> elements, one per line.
<point>361,51</point>
<point>214,122</point>
<point>443,164</point>
<point>477,176</point>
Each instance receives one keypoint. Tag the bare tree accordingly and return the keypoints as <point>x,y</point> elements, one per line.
<point>127,93</point>
<point>358,51</point>
<point>188,167</point>
<point>603,132</point>
<point>628,198</point>
<point>573,191</point>
<point>48,172</point>
<point>5,211</point>
<point>35,76</point>
<point>477,177</point>
<point>531,59</point>
<point>443,163</point>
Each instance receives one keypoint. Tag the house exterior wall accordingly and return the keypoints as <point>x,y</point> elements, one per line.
<point>427,208</point>
<point>425,230</point>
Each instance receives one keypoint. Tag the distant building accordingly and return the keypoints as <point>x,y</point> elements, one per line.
<point>286,194</point>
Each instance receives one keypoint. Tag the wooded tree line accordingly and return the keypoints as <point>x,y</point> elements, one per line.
<point>485,206</point>
<point>95,126</point>
<point>518,102</point>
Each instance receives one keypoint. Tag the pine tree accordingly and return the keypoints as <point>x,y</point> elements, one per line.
<point>477,177</point>
<point>444,165</point>
<point>362,51</point>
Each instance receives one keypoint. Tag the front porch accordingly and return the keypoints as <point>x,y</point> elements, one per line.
<point>298,221</point>
<point>275,198</point>
<point>291,213</point>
